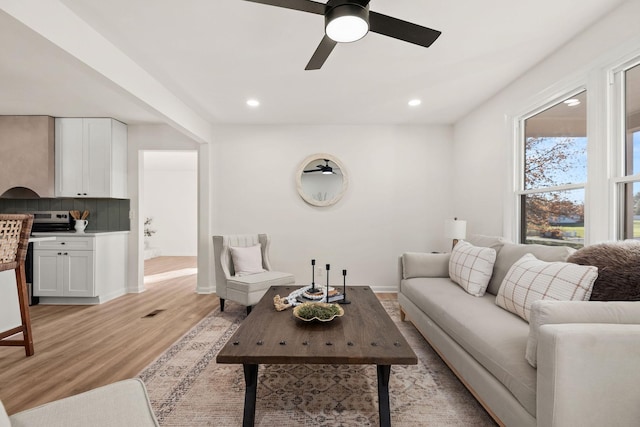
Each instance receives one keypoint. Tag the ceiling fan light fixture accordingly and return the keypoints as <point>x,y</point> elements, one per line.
<point>347,23</point>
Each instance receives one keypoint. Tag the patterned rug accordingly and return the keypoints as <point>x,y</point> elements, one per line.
<point>188,388</point>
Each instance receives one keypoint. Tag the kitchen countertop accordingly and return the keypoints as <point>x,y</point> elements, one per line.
<point>75,234</point>
<point>41,238</point>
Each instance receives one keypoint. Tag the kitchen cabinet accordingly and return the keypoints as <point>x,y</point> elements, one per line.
<point>91,157</point>
<point>64,273</point>
<point>80,269</point>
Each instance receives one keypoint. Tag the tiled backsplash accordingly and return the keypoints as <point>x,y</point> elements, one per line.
<point>104,214</point>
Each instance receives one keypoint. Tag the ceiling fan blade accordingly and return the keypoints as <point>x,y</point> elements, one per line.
<point>321,54</point>
<point>403,30</point>
<point>302,5</point>
<point>317,170</point>
<point>333,3</point>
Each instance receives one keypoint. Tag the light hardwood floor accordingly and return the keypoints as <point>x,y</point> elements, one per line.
<point>78,348</point>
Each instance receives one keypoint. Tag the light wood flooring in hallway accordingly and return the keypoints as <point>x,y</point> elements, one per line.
<point>78,348</point>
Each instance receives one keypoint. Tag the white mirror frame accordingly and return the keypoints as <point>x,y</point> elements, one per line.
<point>321,157</point>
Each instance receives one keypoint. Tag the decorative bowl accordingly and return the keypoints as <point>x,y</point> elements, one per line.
<point>302,308</point>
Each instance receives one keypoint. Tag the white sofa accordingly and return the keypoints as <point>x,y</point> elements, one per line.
<point>121,404</point>
<point>588,352</point>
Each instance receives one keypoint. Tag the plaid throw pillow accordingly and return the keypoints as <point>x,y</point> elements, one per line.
<point>471,267</point>
<point>530,279</point>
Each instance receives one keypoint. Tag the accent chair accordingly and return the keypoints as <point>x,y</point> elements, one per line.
<point>245,283</point>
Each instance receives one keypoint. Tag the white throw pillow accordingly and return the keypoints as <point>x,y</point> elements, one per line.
<point>471,267</point>
<point>247,260</point>
<point>530,279</point>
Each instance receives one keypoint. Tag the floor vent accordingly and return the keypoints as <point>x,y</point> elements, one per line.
<point>153,313</point>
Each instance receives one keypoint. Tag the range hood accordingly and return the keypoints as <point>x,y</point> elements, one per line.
<point>27,156</point>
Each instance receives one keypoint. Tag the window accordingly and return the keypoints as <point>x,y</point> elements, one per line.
<point>554,173</point>
<point>629,185</point>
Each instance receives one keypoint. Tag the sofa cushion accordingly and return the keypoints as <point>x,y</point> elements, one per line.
<point>494,337</point>
<point>618,269</point>
<point>530,279</point>
<point>471,267</point>
<point>493,242</point>
<point>246,259</point>
<point>4,418</point>
<point>553,312</point>
<point>512,252</point>
<point>419,264</point>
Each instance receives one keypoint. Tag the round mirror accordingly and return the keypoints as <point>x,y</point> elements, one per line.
<point>321,179</point>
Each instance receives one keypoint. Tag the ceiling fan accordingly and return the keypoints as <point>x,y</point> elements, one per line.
<point>325,169</point>
<point>350,20</point>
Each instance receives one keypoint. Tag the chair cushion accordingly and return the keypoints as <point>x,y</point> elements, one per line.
<point>530,279</point>
<point>246,259</point>
<point>253,282</point>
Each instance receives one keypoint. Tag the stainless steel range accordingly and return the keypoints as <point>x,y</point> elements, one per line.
<point>49,221</point>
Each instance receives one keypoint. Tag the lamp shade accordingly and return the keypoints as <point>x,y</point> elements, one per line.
<point>455,229</point>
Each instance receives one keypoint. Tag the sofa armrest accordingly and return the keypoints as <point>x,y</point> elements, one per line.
<point>587,375</point>
<point>124,403</point>
<point>547,311</point>
<point>419,264</point>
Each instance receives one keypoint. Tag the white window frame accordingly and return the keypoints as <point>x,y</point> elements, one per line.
<point>519,160</point>
<point>619,137</point>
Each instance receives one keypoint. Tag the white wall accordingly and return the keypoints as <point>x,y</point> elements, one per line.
<point>483,141</point>
<point>171,200</point>
<point>398,196</point>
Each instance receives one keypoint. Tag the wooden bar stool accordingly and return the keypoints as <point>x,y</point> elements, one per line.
<point>14,240</point>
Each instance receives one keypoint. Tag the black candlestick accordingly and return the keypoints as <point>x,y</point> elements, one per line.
<point>328,268</point>
<point>344,289</point>
<point>313,275</point>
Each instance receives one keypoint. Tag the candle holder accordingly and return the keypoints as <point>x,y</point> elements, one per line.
<point>313,275</point>
<point>344,299</point>
<point>328,268</point>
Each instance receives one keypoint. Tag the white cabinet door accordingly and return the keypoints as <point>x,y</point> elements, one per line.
<point>69,157</point>
<point>97,157</point>
<point>63,274</point>
<point>47,273</point>
<point>91,158</point>
<point>78,274</point>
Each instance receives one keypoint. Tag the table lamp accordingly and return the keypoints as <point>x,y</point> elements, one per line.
<point>455,229</point>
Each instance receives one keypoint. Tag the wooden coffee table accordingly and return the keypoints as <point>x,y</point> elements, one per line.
<point>364,335</point>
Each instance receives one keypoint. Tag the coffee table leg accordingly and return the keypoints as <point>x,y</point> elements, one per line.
<point>384,410</point>
<point>251,387</point>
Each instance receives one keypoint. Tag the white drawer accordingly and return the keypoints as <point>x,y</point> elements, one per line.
<point>69,243</point>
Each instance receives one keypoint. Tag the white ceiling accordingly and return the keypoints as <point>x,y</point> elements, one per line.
<point>214,55</point>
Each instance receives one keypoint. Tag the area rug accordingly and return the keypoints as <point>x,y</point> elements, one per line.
<point>188,388</point>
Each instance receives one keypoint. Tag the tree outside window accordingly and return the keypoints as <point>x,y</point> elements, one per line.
<point>554,174</point>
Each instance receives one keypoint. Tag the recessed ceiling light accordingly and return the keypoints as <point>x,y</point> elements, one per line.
<point>253,103</point>
<point>572,102</point>
<point>414,102</point>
